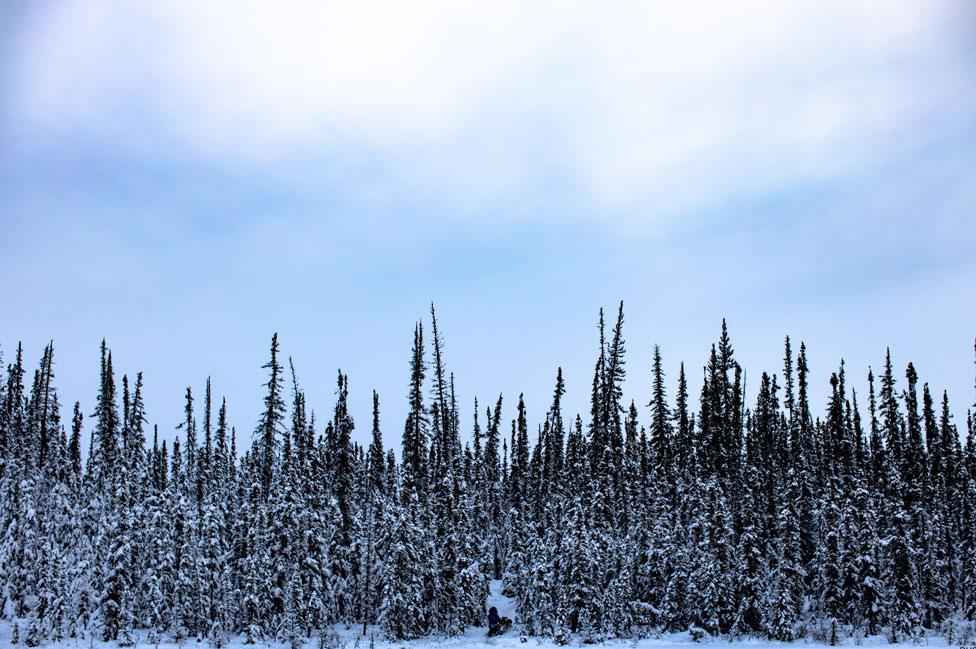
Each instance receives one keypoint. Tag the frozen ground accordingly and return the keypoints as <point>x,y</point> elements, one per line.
<point>474,638</point>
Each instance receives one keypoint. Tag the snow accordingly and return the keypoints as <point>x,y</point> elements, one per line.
<point>351,637</point>
<point>505,605</point>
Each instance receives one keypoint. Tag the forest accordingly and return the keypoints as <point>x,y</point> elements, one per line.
<point>717,516</point>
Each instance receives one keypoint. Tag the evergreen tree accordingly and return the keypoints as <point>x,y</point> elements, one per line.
<point>415,430</point>
<point>270,423</point>
<point>660,419</point>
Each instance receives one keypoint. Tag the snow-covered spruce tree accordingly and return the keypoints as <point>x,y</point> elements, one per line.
<point>969,528</point>
<point>903,614</point>
<point>114,581</point>
<point>472,578</point>
<point>784,597</point>
<point>403,613</point>
<point>864,589</point>
<point>344,569</point>
<point>18,515</point>
<point>935,534</point>
<point>711,587</point>
<point>373,524</point>
<point>749,572</point>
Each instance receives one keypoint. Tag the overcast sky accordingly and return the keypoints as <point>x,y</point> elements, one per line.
<point>187,178</point>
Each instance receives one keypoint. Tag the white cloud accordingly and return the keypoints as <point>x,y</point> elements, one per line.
<point>647,106</point>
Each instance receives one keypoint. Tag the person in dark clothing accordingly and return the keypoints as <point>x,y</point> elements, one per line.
<point>494,622</point>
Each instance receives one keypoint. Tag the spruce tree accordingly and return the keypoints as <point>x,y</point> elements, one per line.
<point>660,419</point>
<point>271,420</point>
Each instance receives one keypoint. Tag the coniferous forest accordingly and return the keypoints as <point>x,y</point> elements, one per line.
<point>702,513</point>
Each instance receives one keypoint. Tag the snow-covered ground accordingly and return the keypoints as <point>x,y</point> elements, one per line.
<point>351,637</point>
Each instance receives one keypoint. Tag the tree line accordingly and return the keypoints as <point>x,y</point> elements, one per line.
<point>717,517</point>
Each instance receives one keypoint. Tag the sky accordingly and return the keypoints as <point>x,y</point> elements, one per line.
<point>185,179</point>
